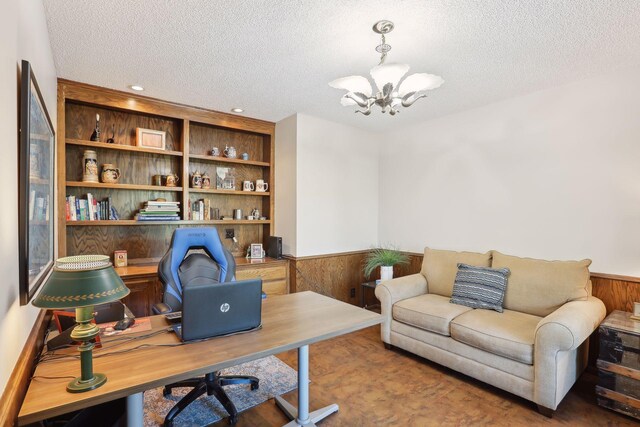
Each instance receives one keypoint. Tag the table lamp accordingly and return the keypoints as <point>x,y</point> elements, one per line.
<point>81,282</point>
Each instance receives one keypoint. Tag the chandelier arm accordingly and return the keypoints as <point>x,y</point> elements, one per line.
<point>410,98</point>
<point>359,98</point>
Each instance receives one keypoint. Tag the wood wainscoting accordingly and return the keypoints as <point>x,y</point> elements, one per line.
<point>335,275</point>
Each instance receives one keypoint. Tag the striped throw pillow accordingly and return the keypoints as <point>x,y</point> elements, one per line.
<point>480,287</point>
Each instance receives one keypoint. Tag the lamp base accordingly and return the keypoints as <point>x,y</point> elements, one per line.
<point>79,386</point>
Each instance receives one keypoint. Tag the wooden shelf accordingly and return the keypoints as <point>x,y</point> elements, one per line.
<point>122,186</point>
<point>207,158</point>
<point>122,147</point>
<point>230,222</point>
<point>125,222</point>
<point>230,192</point>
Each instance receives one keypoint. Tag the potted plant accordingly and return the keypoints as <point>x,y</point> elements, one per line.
<point>385,258</point>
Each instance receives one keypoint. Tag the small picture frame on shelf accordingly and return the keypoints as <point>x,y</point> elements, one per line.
<point>120,258</point>
<point>149,138</point>
<point>256,251</point>
<point>225,178</point>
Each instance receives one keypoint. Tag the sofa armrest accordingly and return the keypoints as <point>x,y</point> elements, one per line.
<point>391,291</point>
<point>568,327</point>
<point>564,330</point>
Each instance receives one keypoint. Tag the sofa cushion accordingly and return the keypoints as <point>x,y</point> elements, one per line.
<point>440,268</point>
<point>480,287</point>
<point>510,334</point>
<point>429,312</point>
<point>540,287</point>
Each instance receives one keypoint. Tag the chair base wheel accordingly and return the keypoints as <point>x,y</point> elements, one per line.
<point>166,392</point>
<point>233,420</point>
<point>255,386</point>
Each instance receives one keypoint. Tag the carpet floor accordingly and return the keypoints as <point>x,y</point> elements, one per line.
<point>276,378</point>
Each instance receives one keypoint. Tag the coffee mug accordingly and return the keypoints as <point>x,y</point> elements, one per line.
<point>230,152</point>
<point>215,151</point>
<point>247,186</point>
<point>172,180</point>
<point>261,186</point>
<point>110,173</point>
<point>156,180</point>
<point>244,156</point>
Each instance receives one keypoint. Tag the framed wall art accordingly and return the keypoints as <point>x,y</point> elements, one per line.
<point>35,187</point>
<point>149,138</point>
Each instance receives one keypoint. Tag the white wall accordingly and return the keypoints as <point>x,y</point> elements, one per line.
<point>23,35</point>
<point>285,195</point>
<point>553,174</point>
<point>336,185</point>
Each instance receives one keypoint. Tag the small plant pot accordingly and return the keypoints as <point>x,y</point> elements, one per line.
<point>386,272</point>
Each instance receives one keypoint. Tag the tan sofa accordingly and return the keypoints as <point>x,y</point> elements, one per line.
<point>536,348</point>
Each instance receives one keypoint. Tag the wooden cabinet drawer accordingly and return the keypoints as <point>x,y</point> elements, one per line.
<point>265,273</point>
<point>275,287</point>
<point>275,280</point>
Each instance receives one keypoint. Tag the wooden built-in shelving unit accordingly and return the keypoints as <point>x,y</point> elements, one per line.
<point>190,134</point>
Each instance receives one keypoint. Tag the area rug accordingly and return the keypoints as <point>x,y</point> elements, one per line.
<point>276,378</point>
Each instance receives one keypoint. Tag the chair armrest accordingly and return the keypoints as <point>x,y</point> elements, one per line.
<point>556,336</point>
<point>161,308</point>
<point>568,327</point>
<point>391,291</point>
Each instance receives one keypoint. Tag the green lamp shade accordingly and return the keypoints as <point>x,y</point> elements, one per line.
<point>71,288</point>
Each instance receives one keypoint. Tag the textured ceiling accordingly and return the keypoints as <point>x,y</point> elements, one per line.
<point>275,57</point>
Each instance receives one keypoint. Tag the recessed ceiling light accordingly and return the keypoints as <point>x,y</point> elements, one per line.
<point>237,110</point>
<point>137,87</point>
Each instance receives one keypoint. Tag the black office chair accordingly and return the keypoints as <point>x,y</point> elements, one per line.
<point>175,270</point>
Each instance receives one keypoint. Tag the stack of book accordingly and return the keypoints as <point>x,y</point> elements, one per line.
<point>159,211</point>
<point>90,209</point>
<point>201,210</point>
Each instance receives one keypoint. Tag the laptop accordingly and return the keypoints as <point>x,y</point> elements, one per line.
<point>211,309</point>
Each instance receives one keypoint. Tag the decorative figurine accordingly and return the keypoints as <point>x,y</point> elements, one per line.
<point>206,181</point>
<point>95,136</point>
<point>113,134</point>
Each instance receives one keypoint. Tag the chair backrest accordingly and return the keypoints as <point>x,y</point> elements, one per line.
<point>182,241</point>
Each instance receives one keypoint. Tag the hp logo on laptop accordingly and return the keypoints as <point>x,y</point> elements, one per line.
<point>225,307</point>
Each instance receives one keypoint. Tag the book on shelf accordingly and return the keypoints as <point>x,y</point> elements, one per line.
<point>90,209</point>
<point>139,217</point>
<point>159,211</point>
<point>200,210</point>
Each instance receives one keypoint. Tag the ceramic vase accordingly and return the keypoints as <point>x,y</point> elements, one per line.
<point>386,272</point>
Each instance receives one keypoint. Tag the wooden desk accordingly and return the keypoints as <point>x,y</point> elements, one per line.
<point>289,321</point>
<point>146,289</point>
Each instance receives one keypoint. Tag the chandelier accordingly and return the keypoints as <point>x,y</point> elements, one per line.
<point>391,93</point>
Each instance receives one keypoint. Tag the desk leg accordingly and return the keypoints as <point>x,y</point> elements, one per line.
<point>301,415</point>
<point>135,410</point>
